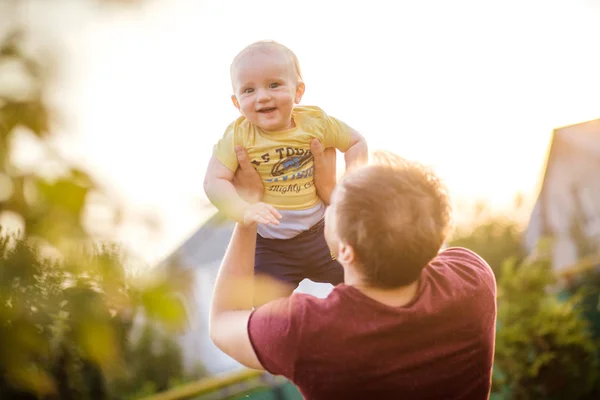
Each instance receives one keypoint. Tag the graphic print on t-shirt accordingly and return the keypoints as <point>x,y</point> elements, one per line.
<point>291,169</point>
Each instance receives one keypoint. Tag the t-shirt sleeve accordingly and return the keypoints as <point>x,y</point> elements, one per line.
<point>224,150</point>
<point>336,134</point>
<point>469,267</point>
<point>274,332</point>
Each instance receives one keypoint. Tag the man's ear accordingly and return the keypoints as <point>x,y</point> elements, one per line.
<point>299,92</point>
<point>235,102</point>
<point>346,254</point>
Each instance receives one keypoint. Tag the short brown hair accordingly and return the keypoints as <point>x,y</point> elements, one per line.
<point>270,45</point>
<point>396,215</point>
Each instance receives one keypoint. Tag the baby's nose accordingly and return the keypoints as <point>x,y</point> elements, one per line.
<point>263,95</point>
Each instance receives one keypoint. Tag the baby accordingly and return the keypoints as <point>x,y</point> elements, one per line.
<point>267,86</point>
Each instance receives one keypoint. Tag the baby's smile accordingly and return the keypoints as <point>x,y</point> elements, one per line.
<point>267,110</point>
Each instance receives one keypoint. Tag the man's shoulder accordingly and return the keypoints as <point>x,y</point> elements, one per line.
<point>306,315</point>
<point>301,305</point>
<point>289,307</point>
<point>287,317</point>
<point>463,254</point>
<point>459,263</point>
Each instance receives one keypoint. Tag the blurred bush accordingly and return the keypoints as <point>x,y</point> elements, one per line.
<point>547,344</point>
<point>67,326</point>
<point>69,307</point>
<point>493,237</point>
<point>545,347</point>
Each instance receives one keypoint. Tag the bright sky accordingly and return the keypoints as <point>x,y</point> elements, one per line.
<point>473,88</point>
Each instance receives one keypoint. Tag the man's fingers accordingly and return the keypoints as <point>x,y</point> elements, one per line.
<point>242,157</point>
<point>329,154</point>
<point>316,148</point>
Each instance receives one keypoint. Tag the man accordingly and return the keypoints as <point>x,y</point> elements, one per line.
<point>409,322</point>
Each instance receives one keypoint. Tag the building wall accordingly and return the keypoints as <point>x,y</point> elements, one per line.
<point>568,209</point>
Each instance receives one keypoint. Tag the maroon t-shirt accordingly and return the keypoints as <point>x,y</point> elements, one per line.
<point>349,346</point>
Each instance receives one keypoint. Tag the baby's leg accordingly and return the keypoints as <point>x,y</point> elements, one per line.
<point>305,256</point>
<point>322,265</point>
<point>276,270</point>
<point>329,271</point>
<point>267,288</point>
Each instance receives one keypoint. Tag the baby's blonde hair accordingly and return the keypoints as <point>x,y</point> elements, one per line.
<point>266,46</point>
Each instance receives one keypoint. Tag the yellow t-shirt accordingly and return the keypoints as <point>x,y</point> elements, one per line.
<point>283,159</point>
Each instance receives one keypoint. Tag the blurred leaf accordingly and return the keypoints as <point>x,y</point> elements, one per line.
<point>56,216</point>
<point>161,303</point>
<point>98,342</point>
<point>10,46</point>
<point>18,263</point>
<point>31,114</point>
<point>31,379</point>
<point>64,194</point>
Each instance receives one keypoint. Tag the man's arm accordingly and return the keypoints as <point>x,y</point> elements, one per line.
<point>229,322</point>
<point>233,298</point>
<point>236,329</point>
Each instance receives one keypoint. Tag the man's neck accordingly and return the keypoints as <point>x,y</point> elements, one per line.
<point>396,297</point>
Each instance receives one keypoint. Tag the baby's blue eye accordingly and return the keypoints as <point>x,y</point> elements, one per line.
<point>248,90</point>
<point>274,85</point>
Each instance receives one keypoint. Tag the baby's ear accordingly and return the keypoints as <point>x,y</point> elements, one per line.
<point>299,92</point>
<point>235,102</point>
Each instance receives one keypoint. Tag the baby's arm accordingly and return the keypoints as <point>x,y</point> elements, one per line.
<point>358,152</point>
<point>221,192</point>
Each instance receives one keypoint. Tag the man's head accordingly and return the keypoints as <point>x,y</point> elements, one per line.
<point>387,220</point>
<point>267,82</point>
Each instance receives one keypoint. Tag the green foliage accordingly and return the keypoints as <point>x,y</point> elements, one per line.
<point>544,345</point>
<point>495,239</point>
<point>66,306</point>
<point>50,207</point>
<point>153,364</point>
<point>65,329</point>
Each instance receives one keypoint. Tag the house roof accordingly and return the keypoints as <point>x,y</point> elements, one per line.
<point>205,246</point>
<point>571,165</point>
<point>568,143</point>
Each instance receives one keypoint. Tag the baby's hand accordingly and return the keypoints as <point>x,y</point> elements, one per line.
<point>261,213</point>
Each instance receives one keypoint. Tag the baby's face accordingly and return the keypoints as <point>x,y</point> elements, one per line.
<point>266,89</point>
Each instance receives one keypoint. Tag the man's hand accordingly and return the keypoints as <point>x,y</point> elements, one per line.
<point>246,180</point>
<point>324,173</point>
<point>261,213</point>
